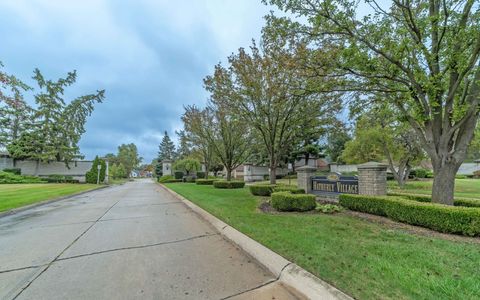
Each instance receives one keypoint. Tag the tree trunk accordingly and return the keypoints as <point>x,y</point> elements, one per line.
<point>37,165</point>
<point>273,175</point>
<point>444,183</point>
<point>229,174</point>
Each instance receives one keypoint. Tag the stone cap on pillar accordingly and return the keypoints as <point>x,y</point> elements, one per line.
<point>373,165</point>
<point>166,161</point>
<point>306,169</point>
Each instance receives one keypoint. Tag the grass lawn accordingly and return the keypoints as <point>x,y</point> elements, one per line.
<point>465,188</point>
<point>17,195</point>
<point>118,181</point>
<point>366,260</point>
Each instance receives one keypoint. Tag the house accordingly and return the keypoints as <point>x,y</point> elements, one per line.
<point>75,169</point>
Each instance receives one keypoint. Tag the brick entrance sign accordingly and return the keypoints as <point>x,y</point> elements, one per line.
<point>371,180</point>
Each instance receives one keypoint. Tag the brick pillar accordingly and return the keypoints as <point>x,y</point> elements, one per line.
<point>167,167</point>
<point>303,178</point>
<point>372,179</point>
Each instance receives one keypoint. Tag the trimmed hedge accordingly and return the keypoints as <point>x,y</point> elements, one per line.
<point>222,184</point>
<point>16,171</point>
<point>204,181</point>
<point>168,179</point>
<point>262,189</point>
<point>286,201</point>
<point>443,218</point>
<point>178,174</point>
<point>10,178</point>
<point>291,189</point>
<point>425,198</point>
<point>201,175</point>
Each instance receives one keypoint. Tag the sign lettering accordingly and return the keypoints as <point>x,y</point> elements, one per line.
<point>335,183</point>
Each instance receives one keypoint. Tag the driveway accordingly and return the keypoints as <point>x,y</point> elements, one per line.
<point>133,241</point>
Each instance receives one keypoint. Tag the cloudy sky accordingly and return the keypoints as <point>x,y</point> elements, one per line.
<point>150,56</point>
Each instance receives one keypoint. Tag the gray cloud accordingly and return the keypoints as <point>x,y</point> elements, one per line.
<point>150,56</point>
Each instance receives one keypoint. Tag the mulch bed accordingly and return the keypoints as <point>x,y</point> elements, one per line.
<point>265,207</point>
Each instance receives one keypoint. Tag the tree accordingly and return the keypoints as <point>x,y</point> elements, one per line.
<point>15,114</point>
<point>420,56</point>
<point>185,148</point>
<point>166,149</point>
<point>193,119</point>
<point>128,157</point>
<point>53,126</point>
<point>94,175</point>
<point>121,171</point>
<point>227,134</point>
<point>378,136</point>
<point>336,140</point>
<point>474,147</point>
<point>268,90</point>
<point>188,165</point>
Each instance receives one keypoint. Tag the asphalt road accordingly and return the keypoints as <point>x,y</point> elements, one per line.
<point>133,241</point>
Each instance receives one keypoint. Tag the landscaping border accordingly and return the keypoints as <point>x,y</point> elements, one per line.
<point>45,202</point>
<point>284,270</point>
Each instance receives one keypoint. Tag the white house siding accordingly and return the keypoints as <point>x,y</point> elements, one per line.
<point>468,168</point>
<point>343,168</point>
<point>76,169</point>
<point>257,173</point>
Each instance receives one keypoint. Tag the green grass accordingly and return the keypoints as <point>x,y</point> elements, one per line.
<point>17,195</point>
<point>364,259</point>
<point>118,180</point>
<point>464,188</point>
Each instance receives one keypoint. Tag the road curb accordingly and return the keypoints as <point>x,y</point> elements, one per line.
<point>41,203</point>
<point>285,271</point>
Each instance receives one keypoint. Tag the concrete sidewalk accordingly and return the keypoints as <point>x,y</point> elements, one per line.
<point>133,241</point>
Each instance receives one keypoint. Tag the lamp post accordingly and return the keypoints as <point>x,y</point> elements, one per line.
<point>99,167</point>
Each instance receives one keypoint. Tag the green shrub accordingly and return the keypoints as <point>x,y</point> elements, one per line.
<point>188,178</point>
<point>460,176</point>
<point>222,184</point>
<point>430,174</point>
<point>289,188</point>
<point>168,179</point>
<point>286,201</point>
<point>92,175</point>
<point>178,174</point>
<point>420,173</point>
<point>425,198</point>
<point>201,175</point>
<point>443,218</point>
<point>16,171</point>
<point>328,208</point>
<point>204,181</point>
<point>262,189</point>
<point>10,178</point>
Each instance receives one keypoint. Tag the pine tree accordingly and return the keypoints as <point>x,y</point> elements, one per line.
<point>166,149</point>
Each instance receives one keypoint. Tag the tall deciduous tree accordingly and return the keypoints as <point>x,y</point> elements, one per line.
<point>226,133</point>
<point>166,150</point>
<point>269,90</point>
<point>379,136</point>
<point>421,56</point>
<point>193,120</point>
<point>128,157</point>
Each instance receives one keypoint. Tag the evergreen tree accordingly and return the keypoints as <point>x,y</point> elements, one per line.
<point>185,148</point>
<point>166,149</point>
<point>92,176</point>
